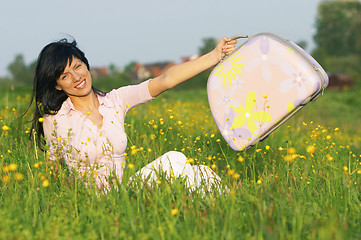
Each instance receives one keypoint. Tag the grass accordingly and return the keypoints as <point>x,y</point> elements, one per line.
<point>303,182</point>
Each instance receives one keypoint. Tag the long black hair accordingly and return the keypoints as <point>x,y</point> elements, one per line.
<point>51,63</point>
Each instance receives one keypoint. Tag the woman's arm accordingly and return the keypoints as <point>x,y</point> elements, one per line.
<point>182,72</point>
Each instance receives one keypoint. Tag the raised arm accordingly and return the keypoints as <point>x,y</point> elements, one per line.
<point>184,71</point>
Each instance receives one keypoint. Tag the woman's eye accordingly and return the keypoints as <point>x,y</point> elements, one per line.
<point>64,76</point>
<point>78,66</point>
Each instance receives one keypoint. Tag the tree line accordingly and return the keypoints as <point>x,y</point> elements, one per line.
<point>337,39</point>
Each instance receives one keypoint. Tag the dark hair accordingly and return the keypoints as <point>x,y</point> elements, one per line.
<point>51,63</point>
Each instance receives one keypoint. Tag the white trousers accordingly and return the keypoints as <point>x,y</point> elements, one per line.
<point>173,164</point>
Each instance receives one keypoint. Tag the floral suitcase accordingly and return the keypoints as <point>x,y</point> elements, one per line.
<point>259,86</point>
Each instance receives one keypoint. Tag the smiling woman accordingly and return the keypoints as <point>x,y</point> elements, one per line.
<point>84,128</point>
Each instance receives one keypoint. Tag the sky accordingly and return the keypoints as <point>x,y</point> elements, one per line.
<point>120,31</point>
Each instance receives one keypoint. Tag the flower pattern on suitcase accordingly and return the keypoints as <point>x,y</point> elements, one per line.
<point>257,86</point>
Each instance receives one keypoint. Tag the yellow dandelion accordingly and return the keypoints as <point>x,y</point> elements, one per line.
<point>236,176</point>
<point>13,167</point>
<point>19,176</point>
<point>328,137</point>
<point>41,119</point>
<point>36,165</point>
<point>9,151</point>
<point>46,183</point>
<point>5,179</point>
<point>329,157</point>
<point>6,169</point>
<point>240,159</point>
<point>358,171</point>
<point>345,168</point>
<point>310,149</point>
<point>231,172</point>
<point>214,166</point>
<point>259,181</point>
<point>291,150</point>
<point>130,165</point>
<point>5,128</point>
<point>159,182</point>
<point>267,147</point>
<point>190,160</point>
<point>174,211</point>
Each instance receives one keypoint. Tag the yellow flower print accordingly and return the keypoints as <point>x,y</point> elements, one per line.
<point>247,115</point>
<point>227,70</point>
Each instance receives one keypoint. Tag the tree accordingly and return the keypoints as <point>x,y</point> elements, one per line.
<point>208,45</point>
<point>21,73</point>
<point>338,25</point>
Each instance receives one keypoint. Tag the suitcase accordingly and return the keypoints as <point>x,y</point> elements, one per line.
<point>259,86</point>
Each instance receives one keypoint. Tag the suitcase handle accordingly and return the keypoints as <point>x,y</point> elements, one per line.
<point>235,38</point>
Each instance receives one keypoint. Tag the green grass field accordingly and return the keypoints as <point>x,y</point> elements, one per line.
<point>303,182</point>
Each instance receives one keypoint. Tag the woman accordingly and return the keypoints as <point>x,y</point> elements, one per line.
<point>84,128</point>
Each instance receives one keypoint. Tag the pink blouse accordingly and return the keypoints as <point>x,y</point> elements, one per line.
<point>86,148</point>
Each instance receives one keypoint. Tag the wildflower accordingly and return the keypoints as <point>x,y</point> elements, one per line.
<point>5,128</point>
<point>6,169</point>
<point>212,135</point>
<point>41,119</point>
<point>328,137</point>
<point>9,151</point>
<point>19,176</point>
<point>236,176</point>
<point>190,160</point>
<point>155,126</point>
<point>174,211</point>
<point>88,113</point>
<point>130,165</point>
<point>240,159</point>
<point>329,157</point>
<point>288,158</point>
<point>218,140</point>
<point>345,168</point>
<point>336,129</point>
<point>259,181</point>
<point>214,166</point>
<point>5,179</point>
<point>358,171</point>
<point>232,192</point>
<point>179,122</point>
<point>171,116</point>
<point>36,165</point>
<point>267,147</point>
<point>291,150</point>
<point>159,182</point>
<point>230,172</point>
<point>46,183</point>
<point>310,149</point>
<point>13,167</point>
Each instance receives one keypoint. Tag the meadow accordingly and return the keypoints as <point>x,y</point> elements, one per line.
<point>303,182</point>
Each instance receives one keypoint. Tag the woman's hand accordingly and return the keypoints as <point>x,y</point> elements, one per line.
<point>224,47</point>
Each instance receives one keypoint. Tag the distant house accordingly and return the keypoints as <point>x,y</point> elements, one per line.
<point>145,71</point>
<point>97,72</point>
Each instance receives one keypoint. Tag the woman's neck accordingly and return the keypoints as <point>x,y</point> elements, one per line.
<point>85,103</point>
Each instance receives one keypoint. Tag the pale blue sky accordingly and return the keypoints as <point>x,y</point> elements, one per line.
<point>118,32</point>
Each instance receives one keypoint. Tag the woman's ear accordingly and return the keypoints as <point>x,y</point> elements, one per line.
<point>57,87</point>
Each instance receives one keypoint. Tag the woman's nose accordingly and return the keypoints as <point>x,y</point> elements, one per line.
<point>76,77</point>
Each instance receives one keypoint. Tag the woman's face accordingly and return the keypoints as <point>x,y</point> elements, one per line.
<point>75,80</point>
